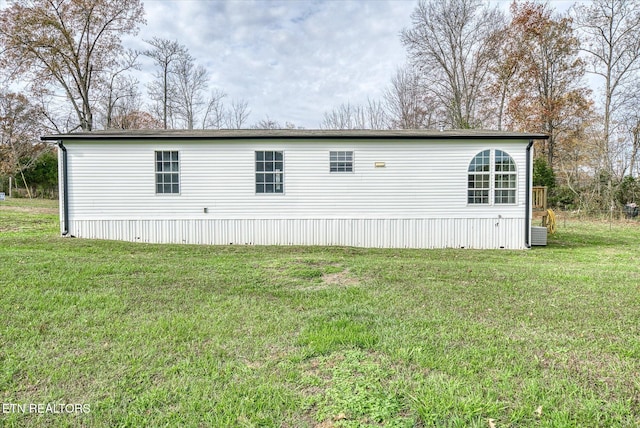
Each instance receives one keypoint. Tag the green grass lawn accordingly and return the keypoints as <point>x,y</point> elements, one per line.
<point>177,335</point>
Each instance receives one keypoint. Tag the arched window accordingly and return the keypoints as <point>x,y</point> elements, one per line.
<point>492,178</point>
<point>479,178</point>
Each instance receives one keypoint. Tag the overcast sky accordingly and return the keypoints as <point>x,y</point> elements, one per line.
<point>289,60</point>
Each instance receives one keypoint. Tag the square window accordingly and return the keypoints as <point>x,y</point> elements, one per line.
<point>340,161</point>
<point>505,181</point>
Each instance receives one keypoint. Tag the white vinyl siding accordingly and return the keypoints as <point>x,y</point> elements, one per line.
<point>423,185</point>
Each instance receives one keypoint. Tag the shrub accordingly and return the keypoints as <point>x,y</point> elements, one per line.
<point>628,191</point>
<point>564,198</point>
<point>543,174</point>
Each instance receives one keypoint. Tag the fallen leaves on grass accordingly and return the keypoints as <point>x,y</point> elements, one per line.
<point>538,411</point>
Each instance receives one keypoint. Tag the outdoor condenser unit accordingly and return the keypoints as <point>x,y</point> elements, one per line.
<point>538,235</point>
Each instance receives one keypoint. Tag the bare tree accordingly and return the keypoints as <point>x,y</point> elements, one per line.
<point>630,113</point>
<point>191,81</point>
<point>267,123</point>
<point>165,53</point>
<point>353,116</point>
<point>124,98</point>
<point>376,115</point>
<point>504,70</point>
<point>214,115</point>
<point>58,116</point>
<point>237,114</point>
<point>120,89</point>
<point>67,44</point>
<point>633,128</point>
<point>19,132</point>
<point>407,103</point>
<point>610,30</point>
<point>345,116</point>
<point>128,113</point>
<point>453,43</point>
<point>135,119</point>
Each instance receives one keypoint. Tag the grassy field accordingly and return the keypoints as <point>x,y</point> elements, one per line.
<point>122,334</point>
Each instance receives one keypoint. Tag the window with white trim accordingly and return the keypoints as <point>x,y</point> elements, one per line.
<point>492,178</point>
<point>167,172</point>
<point>479,178</point>
<point>340,161</point>
<point>269,171</point>
<point>505,180</point>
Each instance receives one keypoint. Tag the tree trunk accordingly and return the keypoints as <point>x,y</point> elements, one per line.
<point>26,186</point>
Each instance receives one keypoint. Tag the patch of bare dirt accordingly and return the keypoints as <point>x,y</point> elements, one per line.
<point>343,279</point>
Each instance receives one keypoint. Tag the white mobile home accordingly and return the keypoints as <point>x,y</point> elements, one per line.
<point>402,189</point>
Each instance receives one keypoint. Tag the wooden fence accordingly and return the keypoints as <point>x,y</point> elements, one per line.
<point>539,198</point>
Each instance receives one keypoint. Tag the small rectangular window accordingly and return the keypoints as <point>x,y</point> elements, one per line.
<point>478,196</point>
<point>478,186</point>
<point>167,172</point>
<point>340,161</point>
<point>505,197</point>
<point>505,189</point>
<point>269,172</point>
<point>505,181</point>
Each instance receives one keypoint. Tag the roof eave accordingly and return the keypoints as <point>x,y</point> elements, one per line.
<point>294,134</point>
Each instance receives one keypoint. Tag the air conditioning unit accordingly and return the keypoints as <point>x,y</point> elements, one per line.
<point>538,235</point>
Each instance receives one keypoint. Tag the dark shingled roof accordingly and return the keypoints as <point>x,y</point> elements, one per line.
<point>237,134</point>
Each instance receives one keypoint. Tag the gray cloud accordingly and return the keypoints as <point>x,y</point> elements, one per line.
<point>290,60</point>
